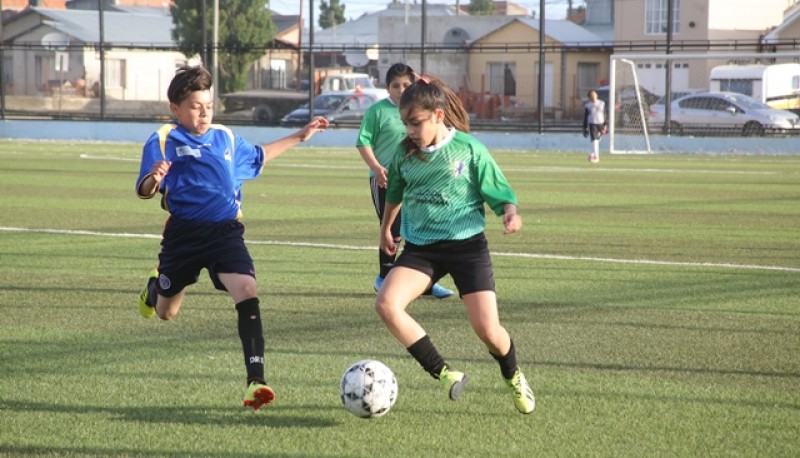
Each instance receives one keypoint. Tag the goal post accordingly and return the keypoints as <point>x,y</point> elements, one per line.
<point>639,121</point>
<point>628,131</point>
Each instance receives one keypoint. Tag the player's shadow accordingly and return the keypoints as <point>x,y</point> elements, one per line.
<point>272,416</point>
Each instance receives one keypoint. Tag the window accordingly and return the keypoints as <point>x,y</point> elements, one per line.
<point>655,17</point>
<point>587,77</point>
<point>796,82</point>
<point>735,85</point>
<point>502,78</point>
<point>115,73</point>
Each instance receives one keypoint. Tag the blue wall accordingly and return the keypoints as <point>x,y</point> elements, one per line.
<point>574,142</point>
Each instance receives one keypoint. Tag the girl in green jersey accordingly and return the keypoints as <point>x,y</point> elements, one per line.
<point>380,133</point>
<point>443,177</point>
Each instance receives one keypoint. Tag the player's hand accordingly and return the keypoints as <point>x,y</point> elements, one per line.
<point>585,133</point>
<point>387,243</point>
<point>318,124</point>
<point>381,176</point>
<point>605,130</point>
<point>160,169</point>
<point>512,222</point>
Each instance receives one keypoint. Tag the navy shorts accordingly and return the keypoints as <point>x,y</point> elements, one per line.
<point>187,247</point>
<point>467,261</point>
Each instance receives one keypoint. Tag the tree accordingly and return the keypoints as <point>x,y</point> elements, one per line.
<point>330,14</point>
<point>481,7</point>
<point>245,28</point>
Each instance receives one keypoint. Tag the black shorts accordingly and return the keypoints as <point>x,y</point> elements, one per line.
<point>467,261</point>
<point>187,247</point>
<point>595,131</point>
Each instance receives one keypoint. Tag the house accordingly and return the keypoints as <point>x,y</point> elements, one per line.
<point>723,25</point>
<point>52,51</point>
<point>498,56</point>
<point>789,29</point>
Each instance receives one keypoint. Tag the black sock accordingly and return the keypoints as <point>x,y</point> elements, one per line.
<point>427,356</point>
<point>508,363</point>
<point>252,335</point>
<point>152,293</point>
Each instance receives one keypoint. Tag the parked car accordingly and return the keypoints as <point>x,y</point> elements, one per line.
<point>709,113</point>
<point>627,111</point>
<point>338,108</point>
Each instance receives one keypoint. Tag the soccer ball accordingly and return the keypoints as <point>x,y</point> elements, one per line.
<point>368,389</point>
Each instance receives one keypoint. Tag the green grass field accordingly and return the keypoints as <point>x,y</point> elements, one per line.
<point>654,302</point>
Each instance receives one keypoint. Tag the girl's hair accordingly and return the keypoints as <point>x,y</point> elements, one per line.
<point>398,70</point>
<point>430,93</point>
<point>188,79</point>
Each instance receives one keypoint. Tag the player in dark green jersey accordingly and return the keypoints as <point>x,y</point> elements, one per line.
<point>381,131</point>
<point>443,177</point>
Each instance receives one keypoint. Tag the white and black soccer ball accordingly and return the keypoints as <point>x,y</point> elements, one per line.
<point>368,389</point>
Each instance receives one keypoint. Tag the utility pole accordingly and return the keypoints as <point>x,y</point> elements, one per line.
<point>215,53</point>
<point>422,40</point>
<point>540,102</point>
<point>101,11</point>
<point>312,90</point>
<point>668,71</point>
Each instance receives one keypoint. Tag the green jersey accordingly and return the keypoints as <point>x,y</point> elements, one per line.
<point>382,129</point>
<point>443,195</point>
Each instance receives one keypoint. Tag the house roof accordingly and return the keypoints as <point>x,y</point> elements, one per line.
<point>364,30</point>
<point>788,21</point>
<point>564,32</point>
<point>144,27</point>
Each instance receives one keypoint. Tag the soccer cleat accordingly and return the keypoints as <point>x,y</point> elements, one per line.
<point>521,392</point>
<point>378,283</point>
<point>453,381</point>
<point>439,292</point>
<point>258,395</point>
<point>593,158</point>
<point>145,309</point>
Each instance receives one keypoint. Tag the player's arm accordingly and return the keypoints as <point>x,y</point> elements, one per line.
<point>369,158</point>
<point>278,147</point>
<point>512,222</point>
<point>150,184</point>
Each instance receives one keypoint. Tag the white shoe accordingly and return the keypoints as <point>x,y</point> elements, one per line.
<point>593,158</point>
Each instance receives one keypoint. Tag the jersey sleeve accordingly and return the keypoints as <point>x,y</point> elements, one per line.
<point>151,153</point>
<point>494,187</point>
<point>369,125</point>
<point>395,184</point>
<point>249,159</point>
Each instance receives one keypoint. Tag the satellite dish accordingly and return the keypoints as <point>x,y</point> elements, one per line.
<point>356,59</point>
<point>55,41</point>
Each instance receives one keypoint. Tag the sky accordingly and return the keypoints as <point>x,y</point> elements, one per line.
<point>554,9</point>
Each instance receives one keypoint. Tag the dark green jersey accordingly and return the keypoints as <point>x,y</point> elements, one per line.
<point>382,130</point>
<point>443,195</point>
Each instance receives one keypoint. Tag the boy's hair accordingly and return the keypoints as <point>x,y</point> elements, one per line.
<point>398,70</point>
<point>430,93</point>
<point>188,79</point>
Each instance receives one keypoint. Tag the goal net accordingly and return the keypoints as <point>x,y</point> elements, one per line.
<point>627,120</point>
<point>718,102</point>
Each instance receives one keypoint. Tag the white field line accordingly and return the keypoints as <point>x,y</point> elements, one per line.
<point>356,247</point>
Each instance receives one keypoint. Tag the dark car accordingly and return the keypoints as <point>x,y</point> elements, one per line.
<point>627,110</point>
<point>337,108</point>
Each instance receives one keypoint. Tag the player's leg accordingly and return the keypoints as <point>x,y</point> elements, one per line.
<point>410,277</point>
<point>595,132</point>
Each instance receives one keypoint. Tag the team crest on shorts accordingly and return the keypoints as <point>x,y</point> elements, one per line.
<point>457,168</point>
<point>163,282</point>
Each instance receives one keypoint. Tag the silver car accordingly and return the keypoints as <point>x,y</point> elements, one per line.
<point>712,113</point>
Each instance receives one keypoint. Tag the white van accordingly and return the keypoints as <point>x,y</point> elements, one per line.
<point>777,85</point>
<point>351,82</point>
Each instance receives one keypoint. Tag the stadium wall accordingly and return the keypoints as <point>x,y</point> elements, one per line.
<point>572,142</point>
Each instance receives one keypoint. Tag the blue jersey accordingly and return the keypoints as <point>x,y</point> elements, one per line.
<point>204,183</point>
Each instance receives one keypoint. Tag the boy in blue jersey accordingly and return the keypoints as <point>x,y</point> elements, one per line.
<point>380,133</point>
<point>199,168</point>
<point>443,177</point>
